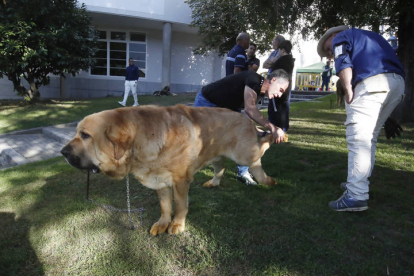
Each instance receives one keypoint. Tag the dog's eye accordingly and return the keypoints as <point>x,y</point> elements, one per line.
<point>84,135</point>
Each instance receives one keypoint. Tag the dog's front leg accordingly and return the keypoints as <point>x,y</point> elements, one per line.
<point>165,197</point>
<point>181,207</point>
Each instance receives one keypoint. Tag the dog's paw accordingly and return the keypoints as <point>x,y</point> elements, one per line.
<point>158,228</point>
<point>270,182</point>
<point>210,184</point>
<point>176,228</point>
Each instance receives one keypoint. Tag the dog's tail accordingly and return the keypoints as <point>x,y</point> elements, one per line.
<point>265,141</point>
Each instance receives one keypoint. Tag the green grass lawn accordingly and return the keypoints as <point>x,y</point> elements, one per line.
<point>47,227</point>
<point>15,115</point>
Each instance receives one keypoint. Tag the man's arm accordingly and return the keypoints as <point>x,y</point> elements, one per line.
<point>250,98</point>
<point>345,76</point>
<point>253,67</point>
<point>137,76</point>
<point>269,62</point>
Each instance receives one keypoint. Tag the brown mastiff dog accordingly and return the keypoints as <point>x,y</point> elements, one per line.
<point>163,147</point>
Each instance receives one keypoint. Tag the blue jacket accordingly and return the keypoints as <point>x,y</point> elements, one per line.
<point>132,73</point>
<point>367,53</point>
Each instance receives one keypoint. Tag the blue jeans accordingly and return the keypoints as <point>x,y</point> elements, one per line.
<point>200,101</point>
<point>325,82</point>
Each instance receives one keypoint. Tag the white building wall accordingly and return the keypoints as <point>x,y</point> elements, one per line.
<point>188,72</point>
<point>174,11</point>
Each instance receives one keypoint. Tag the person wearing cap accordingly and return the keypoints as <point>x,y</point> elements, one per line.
<point>242,90</point>
<point>236,58</point>
<point>373,81</point>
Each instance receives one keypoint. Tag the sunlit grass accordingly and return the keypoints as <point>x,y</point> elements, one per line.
<point>17,116</point>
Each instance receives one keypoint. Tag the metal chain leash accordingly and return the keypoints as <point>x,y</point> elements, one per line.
<point>140,210</point>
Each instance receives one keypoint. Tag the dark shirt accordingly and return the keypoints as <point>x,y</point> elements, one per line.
<point>327,73</point>
<point>252,61</point>
<point>229,91</point>
<point>367,53</point>
<point>235,58</point>
<point>132,73</point>
<point>281,117</point>
<point>286,62</point>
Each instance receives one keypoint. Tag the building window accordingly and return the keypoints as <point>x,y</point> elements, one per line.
<point>114,52</point>
<point>117,58</point>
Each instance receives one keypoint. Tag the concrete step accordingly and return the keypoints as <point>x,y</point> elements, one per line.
<point>33,145</point>
<point>62,135</point>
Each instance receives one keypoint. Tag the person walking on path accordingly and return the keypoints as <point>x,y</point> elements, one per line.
<point>131,79</point>
<point>373,80</point>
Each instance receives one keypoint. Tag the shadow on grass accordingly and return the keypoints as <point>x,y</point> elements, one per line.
<point>231,230</point>
<point>17,257</point>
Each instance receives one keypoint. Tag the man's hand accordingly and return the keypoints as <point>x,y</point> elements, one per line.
<point>392,128</point>
<point>269,62</point>
<point>349,96</point>
<point>345,76</point>
<point>278,134</point>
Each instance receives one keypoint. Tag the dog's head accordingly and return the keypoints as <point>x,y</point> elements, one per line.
<point>103,142</point>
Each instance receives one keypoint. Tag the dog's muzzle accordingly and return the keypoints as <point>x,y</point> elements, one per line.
<point>76,161</point>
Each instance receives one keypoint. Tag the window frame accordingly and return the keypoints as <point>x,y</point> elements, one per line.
<point>128,40</point>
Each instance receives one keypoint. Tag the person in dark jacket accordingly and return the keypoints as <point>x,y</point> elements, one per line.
<point>131,79</point>
<point>279,113</point>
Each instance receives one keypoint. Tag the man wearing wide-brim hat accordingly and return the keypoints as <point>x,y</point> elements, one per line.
<point>373,80</point>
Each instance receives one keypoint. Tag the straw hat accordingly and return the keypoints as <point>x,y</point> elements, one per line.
<point>328,33</point>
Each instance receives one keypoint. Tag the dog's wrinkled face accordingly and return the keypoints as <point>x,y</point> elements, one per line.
<point>100,144</point>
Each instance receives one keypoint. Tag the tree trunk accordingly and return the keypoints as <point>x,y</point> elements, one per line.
<point>405,112</point>
<point>33,91</point>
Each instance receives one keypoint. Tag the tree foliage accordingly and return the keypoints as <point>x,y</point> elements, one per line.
<point>39,38</point>
<point>219,22</point>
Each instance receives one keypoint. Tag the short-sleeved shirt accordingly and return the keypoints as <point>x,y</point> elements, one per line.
<point>235,58</point>
<point>229,91</point>
<point>367,53</point>
<point>252,61</point>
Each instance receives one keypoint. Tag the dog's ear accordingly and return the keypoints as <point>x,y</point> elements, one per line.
<point>121,138</point>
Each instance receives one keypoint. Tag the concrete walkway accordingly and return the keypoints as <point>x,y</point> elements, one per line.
<point>34,145</point>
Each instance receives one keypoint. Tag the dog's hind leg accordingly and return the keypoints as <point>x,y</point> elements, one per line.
<point>165,197</point>
<point>257,171</point>
<point>218,166</point>
<point>181,189</point>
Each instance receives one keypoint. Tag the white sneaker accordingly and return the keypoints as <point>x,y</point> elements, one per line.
<point>121,103</point>
<point>247,179</point>
<point>135,104</point>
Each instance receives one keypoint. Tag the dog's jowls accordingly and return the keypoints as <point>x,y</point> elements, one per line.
<point>163,147</point>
